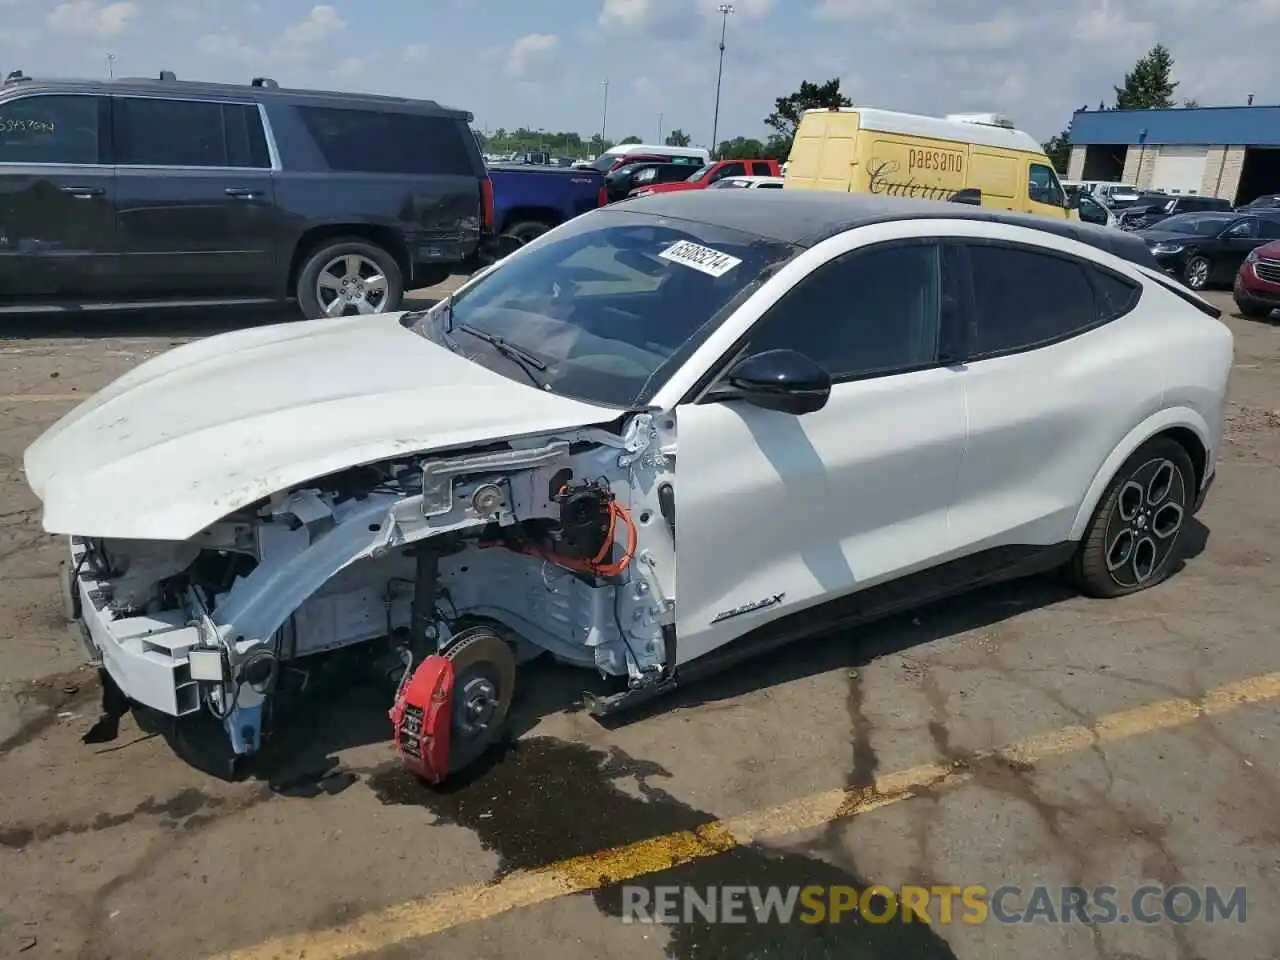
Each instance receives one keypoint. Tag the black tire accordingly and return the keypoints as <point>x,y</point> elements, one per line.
<point>325,254</point>
<point>1253,309</point>
<point>1153,491</point>
<point>484,668</point>
<point>526,231</point>
<point>1196,271</point>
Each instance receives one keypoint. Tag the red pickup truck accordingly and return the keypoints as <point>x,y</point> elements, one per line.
<point>716,170</point>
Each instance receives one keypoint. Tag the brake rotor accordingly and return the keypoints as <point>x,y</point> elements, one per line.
<point>484,676</point>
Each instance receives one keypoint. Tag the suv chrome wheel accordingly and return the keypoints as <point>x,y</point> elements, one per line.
<point>351,284</point>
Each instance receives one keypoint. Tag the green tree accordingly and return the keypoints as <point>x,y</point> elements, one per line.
<point>631,139</point>
<point>740,148</point>
<point>677,138</point>
<point>778,148</point>
<point>811,96</point>
<point>1150,84</point>
<point>1191,103</point>
<point>1058,150</point>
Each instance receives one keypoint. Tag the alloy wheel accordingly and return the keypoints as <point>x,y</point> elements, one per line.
<point>1145,523</point>
<point>351,284</point>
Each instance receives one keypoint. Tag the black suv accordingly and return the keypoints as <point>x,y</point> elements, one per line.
<point>138,191</point>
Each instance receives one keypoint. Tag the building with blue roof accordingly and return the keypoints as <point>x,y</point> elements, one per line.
<point>1229,152</point>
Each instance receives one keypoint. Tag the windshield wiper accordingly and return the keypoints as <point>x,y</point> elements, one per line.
<point>521,358</point>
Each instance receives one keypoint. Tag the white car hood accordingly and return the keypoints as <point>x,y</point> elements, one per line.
<point>207,428</point>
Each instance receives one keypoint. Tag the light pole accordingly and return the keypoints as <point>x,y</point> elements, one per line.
<point>659,140</point>
<point>111,66</point>
<point>725,9</point>
<point>604,116</point>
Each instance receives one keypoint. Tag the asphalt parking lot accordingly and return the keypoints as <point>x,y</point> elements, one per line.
<point>1018,736</point>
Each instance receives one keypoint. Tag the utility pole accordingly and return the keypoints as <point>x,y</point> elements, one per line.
<point>659,140</point>
<point>604,116</point>
<point>725,9</point>
<point>111,66</point>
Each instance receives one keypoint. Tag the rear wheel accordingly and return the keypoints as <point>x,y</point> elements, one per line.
<point>527,231</point>
<point>1132,540</point>
<point>1196,273</point>
<point>347,277</point>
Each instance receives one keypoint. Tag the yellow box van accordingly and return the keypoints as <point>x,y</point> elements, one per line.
<point>976,158</point>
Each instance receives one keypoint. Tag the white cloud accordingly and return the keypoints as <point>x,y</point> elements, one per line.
<point>89,18</point>
<point>298,41</point>
<point>417,52</point>
<point>350,67</point>
<point>852,10</point>
<point>527,50</point>
<point>624,15</point>
<point>320,24</point>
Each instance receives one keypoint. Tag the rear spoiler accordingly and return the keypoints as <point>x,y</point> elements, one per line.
<point>1184,293</point>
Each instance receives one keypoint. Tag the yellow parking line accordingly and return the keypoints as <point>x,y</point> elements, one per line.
<point>41,397</point>
<point>383,928</point>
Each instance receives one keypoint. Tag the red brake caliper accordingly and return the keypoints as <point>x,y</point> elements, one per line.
<point>421,717</point>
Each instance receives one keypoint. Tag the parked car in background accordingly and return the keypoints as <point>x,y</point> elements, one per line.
<point>530,200</point>
<point>712,173</point>
<point>1204,249</point>
<point>1145,202</point>
<point>1268,201</point>
<point>1257,284</point>
<point>621,182</point>
<point>623,153</point>
<point>750,183</point>
<point>1117,196</point>
<point>977,159</point>
<point>1142,215</point>
<point>124,192</point>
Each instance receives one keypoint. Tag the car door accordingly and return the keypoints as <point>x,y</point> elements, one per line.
<point>196,199</point>
<point>1232,246</point>
<point>1045,195</point>
<point>778,513</point>
<point>57,198</point>
<point>735,168</point>
<point>1050,387</point>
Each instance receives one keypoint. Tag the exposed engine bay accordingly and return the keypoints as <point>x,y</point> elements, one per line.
<point>558,544</point>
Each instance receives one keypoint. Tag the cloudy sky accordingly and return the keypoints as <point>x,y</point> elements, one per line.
<point>542,63</point>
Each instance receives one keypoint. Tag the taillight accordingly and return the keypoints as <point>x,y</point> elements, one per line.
<point>602,198</point>
<point>486,202</point>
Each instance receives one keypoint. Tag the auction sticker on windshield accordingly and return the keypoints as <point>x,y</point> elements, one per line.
<point>709,261</point>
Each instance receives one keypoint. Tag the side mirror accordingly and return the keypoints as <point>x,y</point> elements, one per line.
<point>1072,201</point>
<point>782,380</point>
<point>969,195</point>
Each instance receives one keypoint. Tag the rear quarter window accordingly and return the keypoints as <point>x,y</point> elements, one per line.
<point>377,141</point>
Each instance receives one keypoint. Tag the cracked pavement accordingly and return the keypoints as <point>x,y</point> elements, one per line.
<point>118,849</point>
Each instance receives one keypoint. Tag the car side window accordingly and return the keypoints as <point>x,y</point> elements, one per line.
<point>730,170</point>
<point>1269,228</point>
<point>1116,295</point>
<point>761,169</point>
<point>377,141</point>
<point>151,131</point>
<point>868,312</point>
<point>1023,298</point>
<point>1243,230</point>
<point>1044,187</point>
<point>50,129</point>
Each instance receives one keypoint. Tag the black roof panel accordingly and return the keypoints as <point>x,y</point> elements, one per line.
<point>807,217</point>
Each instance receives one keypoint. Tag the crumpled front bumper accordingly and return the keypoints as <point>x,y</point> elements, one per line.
<point>145,655</point>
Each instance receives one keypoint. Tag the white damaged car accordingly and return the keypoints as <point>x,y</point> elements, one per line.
<point>665,435</point>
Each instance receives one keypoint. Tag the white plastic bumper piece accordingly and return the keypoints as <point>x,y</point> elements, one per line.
<point>145,655</point>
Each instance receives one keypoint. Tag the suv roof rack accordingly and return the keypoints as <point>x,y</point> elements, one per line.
<point>266,83</point>
<point>15,76</point>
